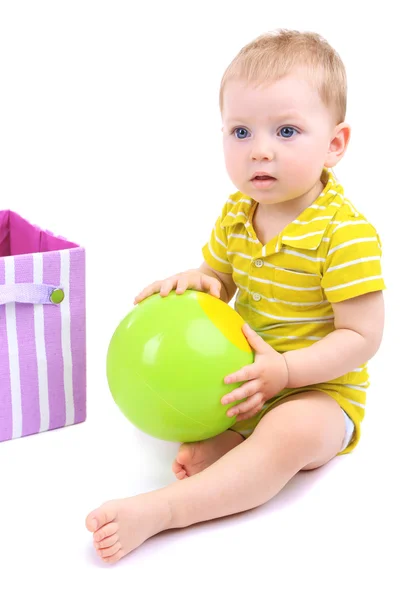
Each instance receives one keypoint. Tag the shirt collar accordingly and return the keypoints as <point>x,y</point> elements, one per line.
<point>305,232</point>
<point>308,230</point>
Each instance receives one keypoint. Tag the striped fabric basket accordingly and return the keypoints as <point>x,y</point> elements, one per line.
<point>42,330</point>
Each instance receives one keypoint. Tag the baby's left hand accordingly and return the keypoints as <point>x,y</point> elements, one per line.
<point>264,378</point>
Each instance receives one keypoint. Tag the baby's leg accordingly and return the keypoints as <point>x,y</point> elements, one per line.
<point>304,432</point>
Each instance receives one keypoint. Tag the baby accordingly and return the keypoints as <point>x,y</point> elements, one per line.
<point>305,266</point>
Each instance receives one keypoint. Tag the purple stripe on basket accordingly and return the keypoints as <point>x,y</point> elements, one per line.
<point>78,331</point>
<point>5,384</point>
<point>28,366</point>
<point>52,335</point>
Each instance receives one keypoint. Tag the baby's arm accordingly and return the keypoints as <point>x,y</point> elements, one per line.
<point>358,333</point>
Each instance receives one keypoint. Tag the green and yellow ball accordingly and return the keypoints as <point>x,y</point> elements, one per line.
<point>167,361</point>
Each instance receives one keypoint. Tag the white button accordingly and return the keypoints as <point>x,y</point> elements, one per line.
<point>259,262</point>
<point>256,297</point>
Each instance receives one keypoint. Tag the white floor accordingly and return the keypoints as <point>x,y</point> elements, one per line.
<point>330,533</point>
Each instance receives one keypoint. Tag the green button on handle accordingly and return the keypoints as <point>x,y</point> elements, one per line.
<point>57,296</point>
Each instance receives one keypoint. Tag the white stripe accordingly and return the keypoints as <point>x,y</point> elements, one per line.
<point>239,271</point>
<point>277,325</point>
<point>355,403</point>
<point>317,206</point>
<point>292,337</point>
<point>243,237</point>
<point>238,214</point>
<point>283,285</point>
<point>289,271</point>
<point>352,207</point>
<point>241,254</point>
<point>354,262</point>
<point>218,240</point>
<point>362,386</point>
<point>334,192</point>
<point>38,317</point>
<point>230,201</point>
<point>294,253</point>
<point>311,220</point>
<point>346,223</point>
<point>217,257</point>
<point>66,338</point>
<point>245,289</point>
<point>302,237</point>
<point>13,353</point>
<point>280,318</point>
<point>355,282</point>
<point>351,242</point>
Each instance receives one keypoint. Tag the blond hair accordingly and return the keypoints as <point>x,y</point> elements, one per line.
<point>273,55</point>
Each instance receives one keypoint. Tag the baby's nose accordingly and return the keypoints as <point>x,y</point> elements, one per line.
<point>262,150</point>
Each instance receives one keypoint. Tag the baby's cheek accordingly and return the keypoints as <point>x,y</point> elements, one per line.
<point>234,165</point>
<point>302,170</point>
<point>298,161</point>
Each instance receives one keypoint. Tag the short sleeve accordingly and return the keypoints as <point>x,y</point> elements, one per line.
<point>215,251</point>
<point>353,262</point>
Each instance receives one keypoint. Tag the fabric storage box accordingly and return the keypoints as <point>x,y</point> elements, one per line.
<point>42,329</point>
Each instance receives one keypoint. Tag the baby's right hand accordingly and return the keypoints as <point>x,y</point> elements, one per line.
<point>193,279</point>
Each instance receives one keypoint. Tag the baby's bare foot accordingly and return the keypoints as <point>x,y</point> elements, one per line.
<point>120,526</point>
<point>193,458</point>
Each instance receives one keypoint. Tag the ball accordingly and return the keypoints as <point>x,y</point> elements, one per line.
<point>166,364</point>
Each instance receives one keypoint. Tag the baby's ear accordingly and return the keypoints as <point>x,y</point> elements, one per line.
<point>338,145</point>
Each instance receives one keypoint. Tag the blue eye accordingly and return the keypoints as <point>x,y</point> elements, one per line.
<point>241,133</point>
<point>288,132</point>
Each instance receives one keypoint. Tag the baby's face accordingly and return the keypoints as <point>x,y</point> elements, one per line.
<point>282,130</point>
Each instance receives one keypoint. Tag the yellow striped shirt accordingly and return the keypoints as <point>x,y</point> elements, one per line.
<point>330,253</point>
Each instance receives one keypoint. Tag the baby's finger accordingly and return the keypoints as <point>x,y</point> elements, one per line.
<point>251,413</point>
<point>246,406</point>
<point>210,284</point>
<point>240,393</point>
<point>167,285</point>
<point>244,374</point>
<point>147,291</point>
<point>182,284</point>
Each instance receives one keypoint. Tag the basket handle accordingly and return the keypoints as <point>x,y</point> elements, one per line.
<point>31,293</point>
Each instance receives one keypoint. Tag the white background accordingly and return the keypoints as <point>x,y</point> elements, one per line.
<point>110,136</point>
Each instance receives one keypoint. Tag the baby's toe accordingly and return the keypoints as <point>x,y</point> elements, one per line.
<point>100,517</point>
<point>178,470</point>
<point>115,557</point>
<point>107,542</point>
<point>109,552</point>
<point>185,454</point>
<point>177,467</point>
<point>105,532</point>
